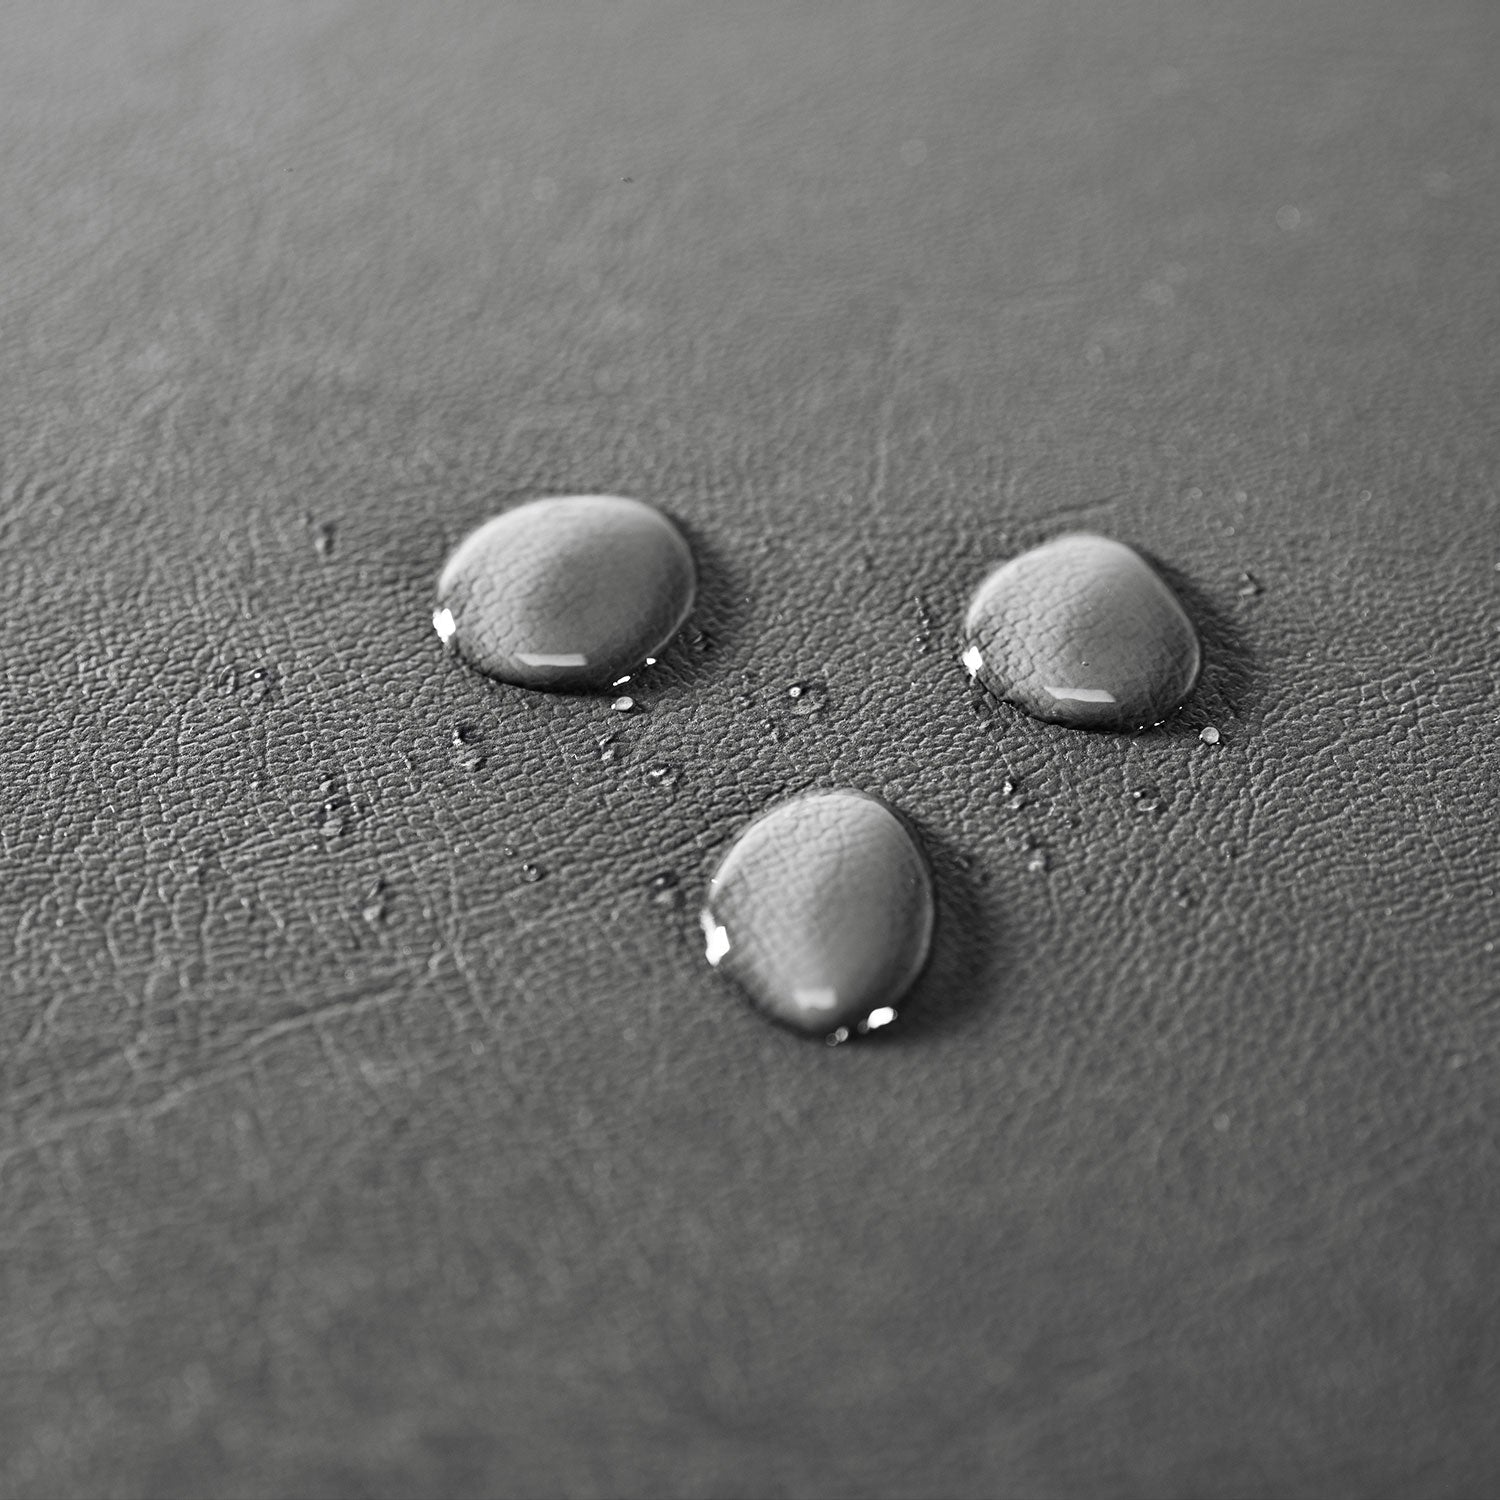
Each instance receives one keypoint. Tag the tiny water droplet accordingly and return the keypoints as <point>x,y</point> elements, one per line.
<point>808,698</point>
<point>1209,735</point>
<point>324,538</point>
<point>1249,586</point>
<point>1082,631</point>
<point>567,592</point>
<point>374,908</point>
<point>466,740</point>
<point>623,705</point>
<point>531,872</point>
<point>924,623</point>
<point>1147,800</point>
<point>1037,864</point>
<point>821,911</point>
<point>664,776</point>
<point>665,890</point>
<point>1221,1123</point>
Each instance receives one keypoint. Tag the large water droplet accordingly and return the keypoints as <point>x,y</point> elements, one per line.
<point>822,911</point>
<point>1082,631</point>
<point>568,592</point>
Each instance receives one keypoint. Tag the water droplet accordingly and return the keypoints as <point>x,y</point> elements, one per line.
<point>374,908</point>
<point>531,872</point>
<point>623,705</point>
<point>821,911</point>
<point>1209,735</point>
<point>1147,799</point>
<point>1250,586</point>
<point>808,698</point>
<point>567,592</point>
<point>1082,631</point>
<point>664,776</point>
<point>665,890</point>
<point>1037,864</point>
<point>466,740</point>
<point>323,539</point>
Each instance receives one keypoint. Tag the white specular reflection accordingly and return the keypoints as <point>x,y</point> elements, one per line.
<point>445,625</point>
<point>817,999</point>
<point>1079,695</point>
<point>716,939</point>
<point>552,659</point>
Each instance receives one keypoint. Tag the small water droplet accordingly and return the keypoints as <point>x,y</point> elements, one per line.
<point>1221,1123</point>
<point>466,740</point>
<point>821,910</point>
<point>664,776</point>
<point>1037,863</point>
<point>1249,585</point>
<point>665,890</point>
<point>566,592</point>
<point>924,623</point>
<point>1147,799</point>
<point>323,539</point>
<point>808,698</point>
<point>623,705</point>
<point>374,908</point>
<point>531,872</point>
<point>1082,631</point>
<point>1209,735</point>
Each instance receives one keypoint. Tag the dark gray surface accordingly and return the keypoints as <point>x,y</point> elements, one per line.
<point>1186,1185</point>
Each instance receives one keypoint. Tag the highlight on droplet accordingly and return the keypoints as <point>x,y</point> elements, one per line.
<point>716,939</point>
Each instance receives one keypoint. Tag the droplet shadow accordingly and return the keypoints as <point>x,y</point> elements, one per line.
<point>715,623</point>
<point>966,949</point>
<point>1230,682</point>
<point>1229,685</point>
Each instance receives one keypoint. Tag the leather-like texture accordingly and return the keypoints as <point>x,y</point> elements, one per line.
<point>371,1126</point>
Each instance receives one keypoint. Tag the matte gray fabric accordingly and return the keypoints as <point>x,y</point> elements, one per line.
<point>371,1126</point>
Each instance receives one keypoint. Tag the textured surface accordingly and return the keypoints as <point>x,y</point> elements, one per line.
<point>822,910</point>
<point>340,1158</point>
<point>1081,631</point>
